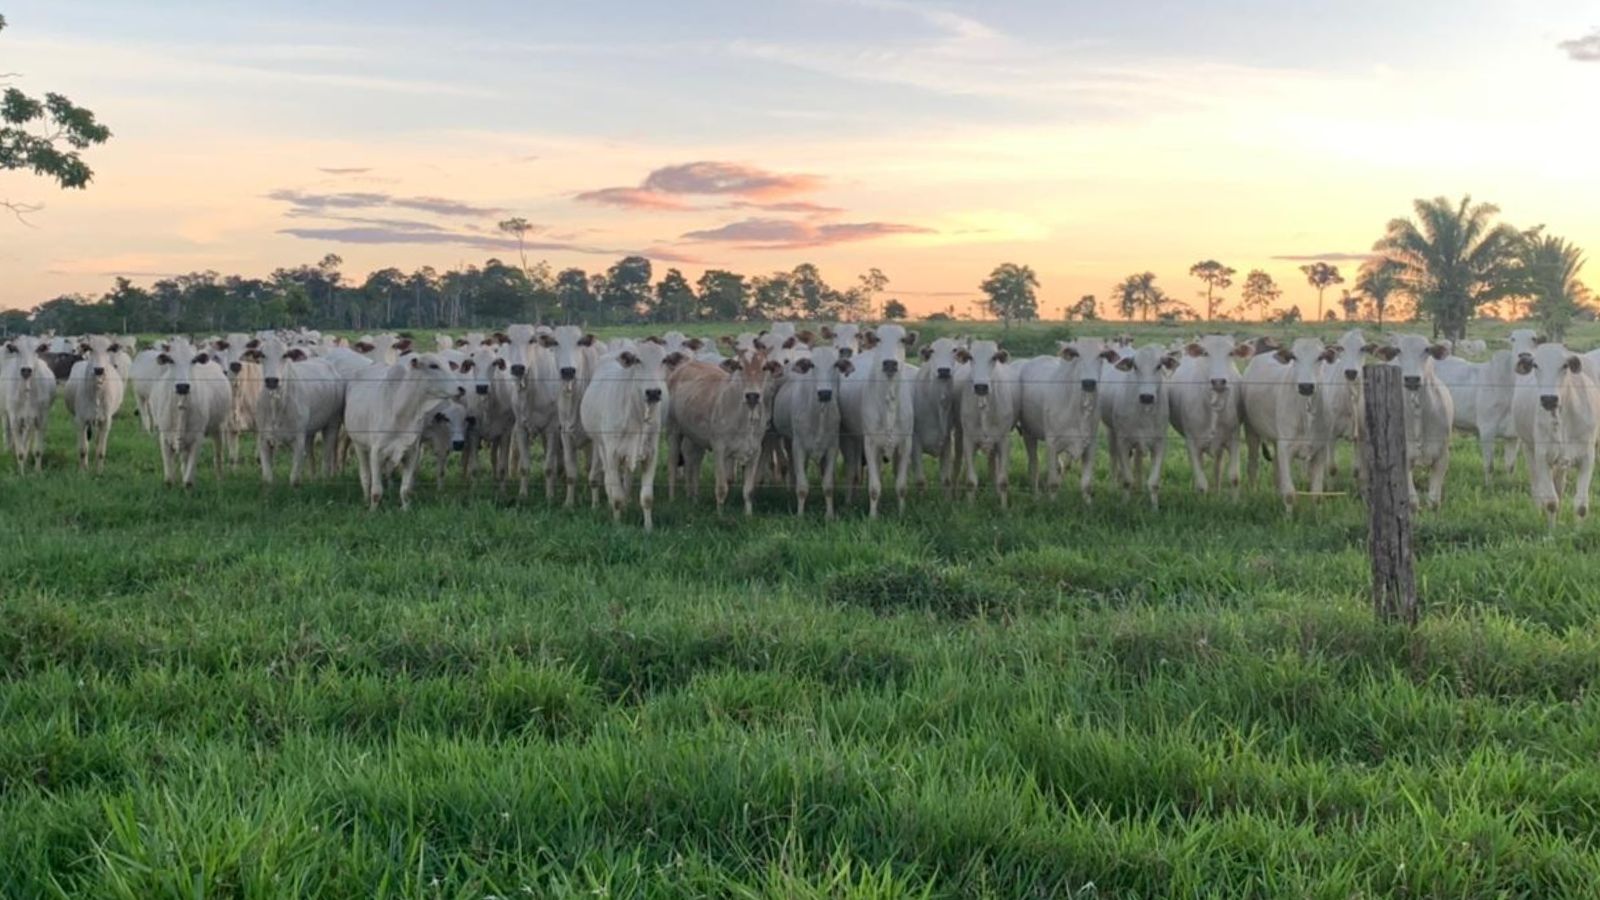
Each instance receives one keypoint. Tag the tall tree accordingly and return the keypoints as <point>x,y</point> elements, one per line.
<point>1087,309</point>
<point>573,296</point>
<point>1321,276</point>
<point>45,137</point>
<point>894,310</point>
<point>627,290</point>
<point>1550,268</point>
<point>1351,304</point>
<point>1010,293</point>
<point>724,296</point>
<point>1217,277</point>
<point>1379,281</point>
<point>868,287</point>
<point>1453,258</point>
<point>1138,294</point>
<point>675,299</point>
<point>1259,294</point>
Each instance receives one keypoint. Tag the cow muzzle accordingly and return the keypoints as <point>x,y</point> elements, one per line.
<point>752,399</point>
<point>1147,399</point>
<point>825,396</point>
<point>25,372</point>
<point>891,366</point>
<point>458,445</point>
<point>846,352</point>
<point>944,374</point>
<point>1089,385</point>
<point>652,395</point>
<point>181,389</point>
<point>1412,382</point>
<point>272,383</point>
<point>1550,402</point>
<point>235,367</point>
<point>1307,390</point>
<point>1350,374</point>
<point>519,370</point>
<point>99,371</point>
<point>482,390</point>
<point>1219,384</point>
<point>568,373</point>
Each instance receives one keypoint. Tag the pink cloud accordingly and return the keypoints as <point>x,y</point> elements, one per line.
<point>728,178</point>
<point>792,206</point>
<point>783,234</point>
<point>633,198</point>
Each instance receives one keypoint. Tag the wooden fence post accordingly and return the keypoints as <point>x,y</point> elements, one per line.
<point>1394,579</point>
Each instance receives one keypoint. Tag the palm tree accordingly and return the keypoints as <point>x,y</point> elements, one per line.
<point>1379,281</point>
<point>1453,258</point>
<point>1321,276</point>
<point>1550,267</point>
<point>1139,294</point>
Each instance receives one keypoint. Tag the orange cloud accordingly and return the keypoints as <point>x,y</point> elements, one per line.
<point>782,234</point>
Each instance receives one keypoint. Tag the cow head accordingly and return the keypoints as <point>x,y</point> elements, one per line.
<point>1148,369</point>
<point>1414,354</point>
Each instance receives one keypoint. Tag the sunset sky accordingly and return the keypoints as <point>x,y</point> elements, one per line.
<point>932,140</point>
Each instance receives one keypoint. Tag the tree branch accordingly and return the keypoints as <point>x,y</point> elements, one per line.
<point>21,210</point>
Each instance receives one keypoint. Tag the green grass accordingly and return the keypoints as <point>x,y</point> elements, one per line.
<point>239,692</point>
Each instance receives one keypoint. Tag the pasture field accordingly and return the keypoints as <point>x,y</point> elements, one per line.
<point>243,692</point>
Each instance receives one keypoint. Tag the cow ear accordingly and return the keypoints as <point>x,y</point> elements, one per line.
<point>628,359</point>
<point>1387,354</point>
<point>202,358</point>
<point>460,342</point>
<point>546,340</point>
<point>806,337</point>
<point>296,354</point>
<point>1575,363</point>
<point>1002,357</point>
<point>1283,356</point>
<point>403,346</point>
<point>655,339</point>
<point>1440,351</point>
<point>694,344</point>
<point>500,364</point>
<point>83,347</point>
<point>1524,364</point>
<point>454,367</point>
<point>500,337</point>
<point>253,344</point>
<point>1244,351</point>
<point>869,339</point>
<point>164,360</point>
<point>416,362</point>
<point>726,340</point>
<point>115,348</point>
<point>731,365</point>
<point>827,333</point>
<point>802,365</point>
<point>1369,348</point>
<point>845,366</point>
<point>774,367</point>
<point>926,352</point>
<point>363,347</point>
<point>1328,354</point>
<point>962,356</point>
<point>1110,355</point>
<point>466,365</point>
<point>1067,351</point>
<point>1195,350</point>
<point>586,341</point>
<point>788,343</point>
<point>674,359</point>
<point>1169,362</point>
<point>910,340</point>
<point>221,345</point>
<point>1125,364</point>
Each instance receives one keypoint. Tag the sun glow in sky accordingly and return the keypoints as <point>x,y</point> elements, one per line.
<point>932,140</point>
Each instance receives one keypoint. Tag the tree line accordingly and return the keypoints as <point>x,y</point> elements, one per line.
<point>321,296</point>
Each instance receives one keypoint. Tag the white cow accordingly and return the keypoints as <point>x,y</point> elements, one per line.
<point>805,412</point>
<point>1340,392</point>
<point>300,397</point>
<point>988,402</point>
<point>27,388</point>
<point>143,374</point>
<point>1281,409</point>
<point>445,431</point>
<point>93,396</point>
<point>933,399</point>
<point>1134,402</point>
<point>1556,410</point>
<point>493,405</point>
<point>386,408</point>
<point>1205,407</point>
<point>622,412</point>
<point>575,357</point>
<point>845,337</point>
<point>1060,409</point>
<point>189,402</point>
<point>1429,411</point>
<point>877,413</point>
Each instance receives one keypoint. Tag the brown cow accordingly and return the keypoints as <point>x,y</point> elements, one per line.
<point>722,408</point>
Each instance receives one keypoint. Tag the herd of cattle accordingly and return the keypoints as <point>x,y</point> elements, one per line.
<point>777,401</point>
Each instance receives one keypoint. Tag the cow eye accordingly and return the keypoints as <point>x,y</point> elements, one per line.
<point>433,365</point>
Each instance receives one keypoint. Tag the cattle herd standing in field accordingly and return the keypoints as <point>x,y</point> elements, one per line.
<point>772,405</point>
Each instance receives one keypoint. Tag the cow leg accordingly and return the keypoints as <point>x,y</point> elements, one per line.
<point>719,474</point>
<point>1197,462</point>
<point>169,459</point>
<point>1441,464</point>
<point>190,461</point>
<point>330,440</point>
<point>874,479</point>
<point>84,429</point>
<point>552,463</point>
<point>103,440</point>
<point>969,465</point>
<point>1285,480</point>
<point>830,458</point>
<point>1486,450</point>
<point>851,450</point>
<point>1086,473</point>
<point>1231,449</point>
<point>600,474</point>
<point>1158,456</point>
<point>1580,498</point>
<point>1000,464</point>
<point>802,478</point>
<point>408,474</point>
<point>752,469</point>
<point>297,461</point>
<point>947,465</point>
<point>569,459</point>
<point>519,444</point>
<point>1543,487</point>
<point>264,456</point>
<point>362,471</point>
<point>375,486</point>
<point>1030,449</point>
<point>1252,449</point>
<point>610,471</point>
<point>1513,446</point>
<point>647,484</point>
<point>902,473</point>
